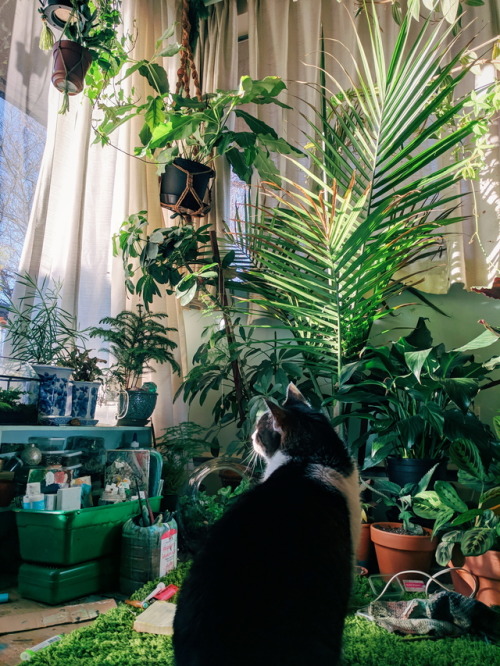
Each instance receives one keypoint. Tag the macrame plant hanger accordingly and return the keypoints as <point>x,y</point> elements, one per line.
<point>187,70</point>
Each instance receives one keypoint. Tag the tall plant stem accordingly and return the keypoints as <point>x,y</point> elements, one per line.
<point>239,383</point>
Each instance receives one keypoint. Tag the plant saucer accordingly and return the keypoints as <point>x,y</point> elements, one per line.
<point>54,420</point>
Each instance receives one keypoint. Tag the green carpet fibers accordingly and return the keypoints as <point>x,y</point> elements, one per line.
<point>111,641</point>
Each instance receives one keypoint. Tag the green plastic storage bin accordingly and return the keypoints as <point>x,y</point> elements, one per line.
<point>63,538</point>
<point>56,585</point>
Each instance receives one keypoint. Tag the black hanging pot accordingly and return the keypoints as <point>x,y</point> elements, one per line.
<point>184,185</point>
<point>411,470</point>
<point>71,62</point>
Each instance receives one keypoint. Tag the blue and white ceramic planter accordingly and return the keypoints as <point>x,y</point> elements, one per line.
<point>53,393</point>
<point>84,400</point>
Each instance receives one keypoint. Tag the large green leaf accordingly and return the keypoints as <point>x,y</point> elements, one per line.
<point>477,541</point>
<point>449,496</point>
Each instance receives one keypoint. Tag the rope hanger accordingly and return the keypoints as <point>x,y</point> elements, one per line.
<point>187,71</point>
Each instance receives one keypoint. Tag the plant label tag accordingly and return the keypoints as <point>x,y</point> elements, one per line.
<point>414,585</point>
<point>168,553</point>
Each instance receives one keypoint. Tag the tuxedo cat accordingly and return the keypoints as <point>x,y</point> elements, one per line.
<point>272,584</point>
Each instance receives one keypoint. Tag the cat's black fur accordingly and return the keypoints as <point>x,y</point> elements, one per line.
<point>271,586</point>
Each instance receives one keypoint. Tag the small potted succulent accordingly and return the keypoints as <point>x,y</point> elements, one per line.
<point>88,37</point>
<point>135,339</point>
<point>39,331</point>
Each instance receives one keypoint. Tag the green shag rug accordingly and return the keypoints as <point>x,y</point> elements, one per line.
<point>111,641</point>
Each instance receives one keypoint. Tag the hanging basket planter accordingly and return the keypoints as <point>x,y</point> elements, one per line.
<point>184,187</point>
<point>71,63</point>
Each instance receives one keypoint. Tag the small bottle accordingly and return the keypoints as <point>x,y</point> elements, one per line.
<point>38,502</point>
<point>30,652</point>
<point>134,444</point>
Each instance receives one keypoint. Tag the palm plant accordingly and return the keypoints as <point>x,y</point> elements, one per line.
<point>324,259</point>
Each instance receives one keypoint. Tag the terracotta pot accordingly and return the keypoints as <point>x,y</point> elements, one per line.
<point>71,62</point>
<point>487,569</point>
<point>399,552</point>
<point>364,546</point>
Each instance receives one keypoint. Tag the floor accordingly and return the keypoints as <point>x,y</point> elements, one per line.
<point>11,645</point>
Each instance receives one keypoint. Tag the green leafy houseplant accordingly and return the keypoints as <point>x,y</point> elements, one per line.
<point>84,365</point>
<point>403,498</point>
<point>324,260</point>
<point>231,360</point>
<point>176,125</point>
<point>135,339</point>
<point>416,397</point>
<point>38,329</point>
<point>89,38</point>
<point>463,530</point>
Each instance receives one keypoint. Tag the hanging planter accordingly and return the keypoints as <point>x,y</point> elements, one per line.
<point>184,187</point>
<point>71,63</point>
<point>89,31</point>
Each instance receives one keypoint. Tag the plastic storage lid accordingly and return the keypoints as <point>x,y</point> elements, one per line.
<point>49,444</point>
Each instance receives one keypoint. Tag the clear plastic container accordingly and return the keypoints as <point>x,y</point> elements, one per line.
<point>192,515</point>
<point>19,389</point>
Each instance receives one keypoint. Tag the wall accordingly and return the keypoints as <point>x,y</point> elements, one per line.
<point>463,308</point>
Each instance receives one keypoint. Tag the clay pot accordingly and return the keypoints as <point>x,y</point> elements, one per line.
<point>487,570</point>
<point>364,546</point>
<point>71,62</point>
<point>401,552</point>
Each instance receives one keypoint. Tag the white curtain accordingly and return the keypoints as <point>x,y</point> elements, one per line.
<point>284,40</point>
<point>84,193</point>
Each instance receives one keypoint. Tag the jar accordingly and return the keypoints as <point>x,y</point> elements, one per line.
<point>193,517</point>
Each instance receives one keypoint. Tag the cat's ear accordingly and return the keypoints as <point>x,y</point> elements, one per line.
<point>294,395</point>
<point>279,415</point>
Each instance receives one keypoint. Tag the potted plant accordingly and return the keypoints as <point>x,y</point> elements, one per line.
<point>39,331</point>
<point>469,537</point>
<point>182,133</point>
<point>404,545</point>
<point>88,35</point>
<point>135,339</point>
<point>417,399</point>
<point>86,381</point>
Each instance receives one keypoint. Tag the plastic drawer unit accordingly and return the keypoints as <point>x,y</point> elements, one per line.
<point>51,585</point>
<point>62,538</point>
